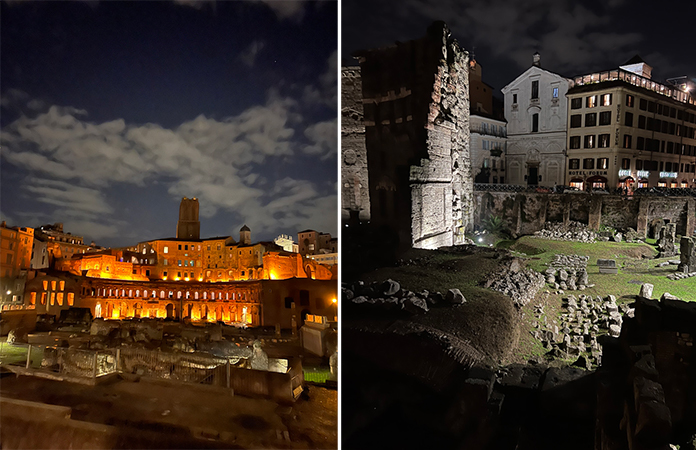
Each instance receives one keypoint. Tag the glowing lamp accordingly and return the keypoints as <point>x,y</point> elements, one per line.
<point>200,279</point>
<point>186,279</point>
<point>9,292</point>
<point>333,300</point>
<point>164,278</point>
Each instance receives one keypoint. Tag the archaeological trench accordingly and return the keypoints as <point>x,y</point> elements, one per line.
<point>422,369</point>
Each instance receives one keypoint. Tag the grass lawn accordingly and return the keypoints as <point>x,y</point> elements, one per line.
<point>17,354</point>
<point>636,262</point>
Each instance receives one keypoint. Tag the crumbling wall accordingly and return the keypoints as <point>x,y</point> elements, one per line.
<point>416,116</point>
<point>355,196</point>
<point>527,212</point>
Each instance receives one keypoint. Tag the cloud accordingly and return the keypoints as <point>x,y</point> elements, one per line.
<point>287,9</point>
<point>325,91</point>
<point>569,35</point>
<point>323,136</point>
<point>248,56</point>
<point>76,167</point>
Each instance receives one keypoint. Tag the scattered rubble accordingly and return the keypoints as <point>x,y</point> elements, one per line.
<point>574,231</point>
<point>568,273</point>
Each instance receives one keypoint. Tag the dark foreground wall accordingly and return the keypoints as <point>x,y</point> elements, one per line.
<point>527,212</point>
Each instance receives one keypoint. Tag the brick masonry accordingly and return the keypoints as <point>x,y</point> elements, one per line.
<point>416,115</point>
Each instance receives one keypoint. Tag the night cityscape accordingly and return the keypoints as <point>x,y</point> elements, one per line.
<point>505,192</point>
<point>169,265</point>
<point>518,202</point>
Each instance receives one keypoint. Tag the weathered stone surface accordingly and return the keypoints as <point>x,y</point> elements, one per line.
<point>687,254</point>
<point>666,239</point>
<point>607,266</point>
<point>390,287</point>
<point>646,290</point>
<point>455,297</point>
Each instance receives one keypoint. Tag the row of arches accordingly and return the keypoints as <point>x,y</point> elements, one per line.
<point>230,313</point>
<point>162,294</point>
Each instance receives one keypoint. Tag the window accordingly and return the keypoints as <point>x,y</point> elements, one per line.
<point>625,164</point>
<point>574,164</point>
<point>589,141</point>
<point>555,92</point>
<point>575,142</point>
<point>639,164</point>
<point>535,89</point>
<point>591,102</point>
<point>166,249</point>
<point>640,143</point>
<point>179,263</point>
<point>486,163</point>
<point>629,119</point>
<point>641,122</point>
<point>185,247</point>
<point>590,119</point>
<point>627,141</point>
<point>576,121</point>
<point>179,246</point>
<point>603,163</point>
<point>629,100</point>
<point>576,103</point>
<point>605,118</point>
<point>603,140</point>
<point>514,99</point>
<point>588,163</point>
<point>535,122</point>
<point>605,99</point>
<point>643,104</point>
<point>165,261</point>
<point>304,298</point>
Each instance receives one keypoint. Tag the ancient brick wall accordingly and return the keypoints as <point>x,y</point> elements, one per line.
<point>354,176</point>
<point>416,116</point>
<point>526,213</point>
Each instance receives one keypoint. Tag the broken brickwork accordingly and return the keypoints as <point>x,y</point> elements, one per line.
<point>355,196</point>
<point>416,117</point>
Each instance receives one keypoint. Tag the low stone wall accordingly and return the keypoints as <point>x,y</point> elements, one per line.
<point>527,212</point>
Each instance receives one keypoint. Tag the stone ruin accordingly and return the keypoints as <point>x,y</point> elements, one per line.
<point>687,257</point>
<point>568,272</point>
<point>415,97</point>
<point>573,231</point>
<point>666,238</point>
<point>515,281</point>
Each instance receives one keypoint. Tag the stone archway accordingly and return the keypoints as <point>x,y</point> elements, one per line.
<point>170,311</point>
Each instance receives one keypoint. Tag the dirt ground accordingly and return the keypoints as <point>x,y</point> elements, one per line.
<point>152,415</point>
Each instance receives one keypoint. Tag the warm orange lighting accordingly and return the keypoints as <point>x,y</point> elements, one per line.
<point>200,279</point>
<point>186,279</point>
<point>333,300</point>
<point>164,278</point>
<point>177,279</point>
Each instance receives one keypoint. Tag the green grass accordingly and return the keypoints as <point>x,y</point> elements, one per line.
<point>636,263</point>
<point>317,375</point>
<point>17,354</point>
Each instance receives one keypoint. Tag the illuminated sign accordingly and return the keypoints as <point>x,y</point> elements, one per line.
<point>668,174</point>
<point>587,172</point>
<point>624,173</point>
<point>643,174</point>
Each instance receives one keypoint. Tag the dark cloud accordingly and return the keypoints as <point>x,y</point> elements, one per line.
<point>572,37</point>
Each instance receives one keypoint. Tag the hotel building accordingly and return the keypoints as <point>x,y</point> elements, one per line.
<point>627,131</point>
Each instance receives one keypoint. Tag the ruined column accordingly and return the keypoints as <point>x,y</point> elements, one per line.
<point>687,254</point>
<point>642,222</point>
<point>595,218</point>
<point>690,217</point>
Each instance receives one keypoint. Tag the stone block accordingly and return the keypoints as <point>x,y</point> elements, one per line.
<point>607,266</point>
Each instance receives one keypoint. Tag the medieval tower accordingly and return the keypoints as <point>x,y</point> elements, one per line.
<point>188,226</point>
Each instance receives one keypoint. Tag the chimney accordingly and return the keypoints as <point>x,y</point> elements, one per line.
<point>536,59</point>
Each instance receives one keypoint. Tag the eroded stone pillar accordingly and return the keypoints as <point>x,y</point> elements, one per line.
<point>595,219</point>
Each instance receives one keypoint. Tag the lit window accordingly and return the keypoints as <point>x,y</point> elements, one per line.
<point>166,249</point>
<point>606,100</point>
<point>555,92</point>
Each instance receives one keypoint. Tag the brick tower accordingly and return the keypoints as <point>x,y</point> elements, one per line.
<point>188,226</point>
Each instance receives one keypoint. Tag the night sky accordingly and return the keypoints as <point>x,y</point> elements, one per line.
<point>114,111</point>
<point>573,37</point>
